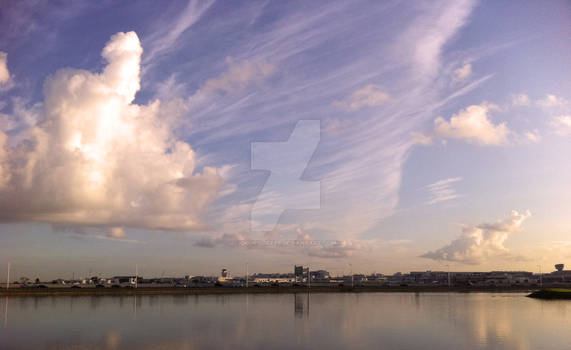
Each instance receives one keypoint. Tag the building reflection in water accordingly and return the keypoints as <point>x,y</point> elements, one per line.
<point>301,305</point>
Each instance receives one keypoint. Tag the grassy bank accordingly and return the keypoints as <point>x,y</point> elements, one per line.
<point>552,293</point>
<point>250,290</point>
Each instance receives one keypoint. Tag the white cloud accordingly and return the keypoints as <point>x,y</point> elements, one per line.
<point>462,73</point>
<point>480,243</point>
<point>473,124</point>
<point>563,124</point>
<point>521,100</point>
<point>4,72</point>
<point>116,232</point>
<point>96,159</point>
<point>552,101</point>
<point>533,136</point>
<point>421,139</point>
<point>238,76</point>
<point>368,96</point>
<point>443,190</point>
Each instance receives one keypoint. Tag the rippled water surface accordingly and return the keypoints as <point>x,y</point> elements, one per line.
<point>286,321</point>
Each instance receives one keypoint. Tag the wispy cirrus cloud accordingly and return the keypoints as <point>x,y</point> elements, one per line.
<point>165,38</point>
<point>360,172</point>
<point>443,190</point>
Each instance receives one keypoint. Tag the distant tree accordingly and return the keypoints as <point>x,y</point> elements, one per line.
<point>37,281</point>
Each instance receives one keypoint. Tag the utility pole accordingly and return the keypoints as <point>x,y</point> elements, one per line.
<point>246,275</point>
<point>308,277</point>
<point>540,277</point>
<point>8,277</point>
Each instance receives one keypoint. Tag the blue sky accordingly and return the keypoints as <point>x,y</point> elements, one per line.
<point>435,134</point>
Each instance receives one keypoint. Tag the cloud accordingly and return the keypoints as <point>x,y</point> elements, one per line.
<point>368,96</point>
<point>336,250</point>
<point>167,34</point>
<point>533,136</point>
<point>521,100</point>
<point>563,124</point>
<point>482,242</point>
<point>304,244</point>
<point>97,159</point>
<point>116,232</point>
<point>421,139</point>
<point>326,249</point>
<point>443,190</point>
<point>473,124</point>
<point>226,240</point>
<point>238,76</point>
<point>552,101</point>
<point>462,73</point>
<point>4,72</point>
<point>360,171</point>
<point>434,31</point>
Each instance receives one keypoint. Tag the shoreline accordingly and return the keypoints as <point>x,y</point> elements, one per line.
<point>251,290</point>
<point>552,294</point>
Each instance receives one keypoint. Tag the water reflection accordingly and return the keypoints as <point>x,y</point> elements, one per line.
<point>301,305</point>
<point>338,321</point>
<point>6,313</point>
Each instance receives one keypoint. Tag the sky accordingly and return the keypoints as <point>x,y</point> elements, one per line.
<point>184,137</point>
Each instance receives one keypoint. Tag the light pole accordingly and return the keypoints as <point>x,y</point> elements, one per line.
<point>246,275</point>
<point>540,277</point>
<point>352,276</point>
<point>8,277</point>
<point>449,284</point>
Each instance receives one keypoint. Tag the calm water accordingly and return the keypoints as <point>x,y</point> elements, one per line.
<point>271,321</point>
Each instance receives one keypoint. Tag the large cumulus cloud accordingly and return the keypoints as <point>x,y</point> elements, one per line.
<point>96,158</point>
<point>481,242</point>
<point>4,72</point>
